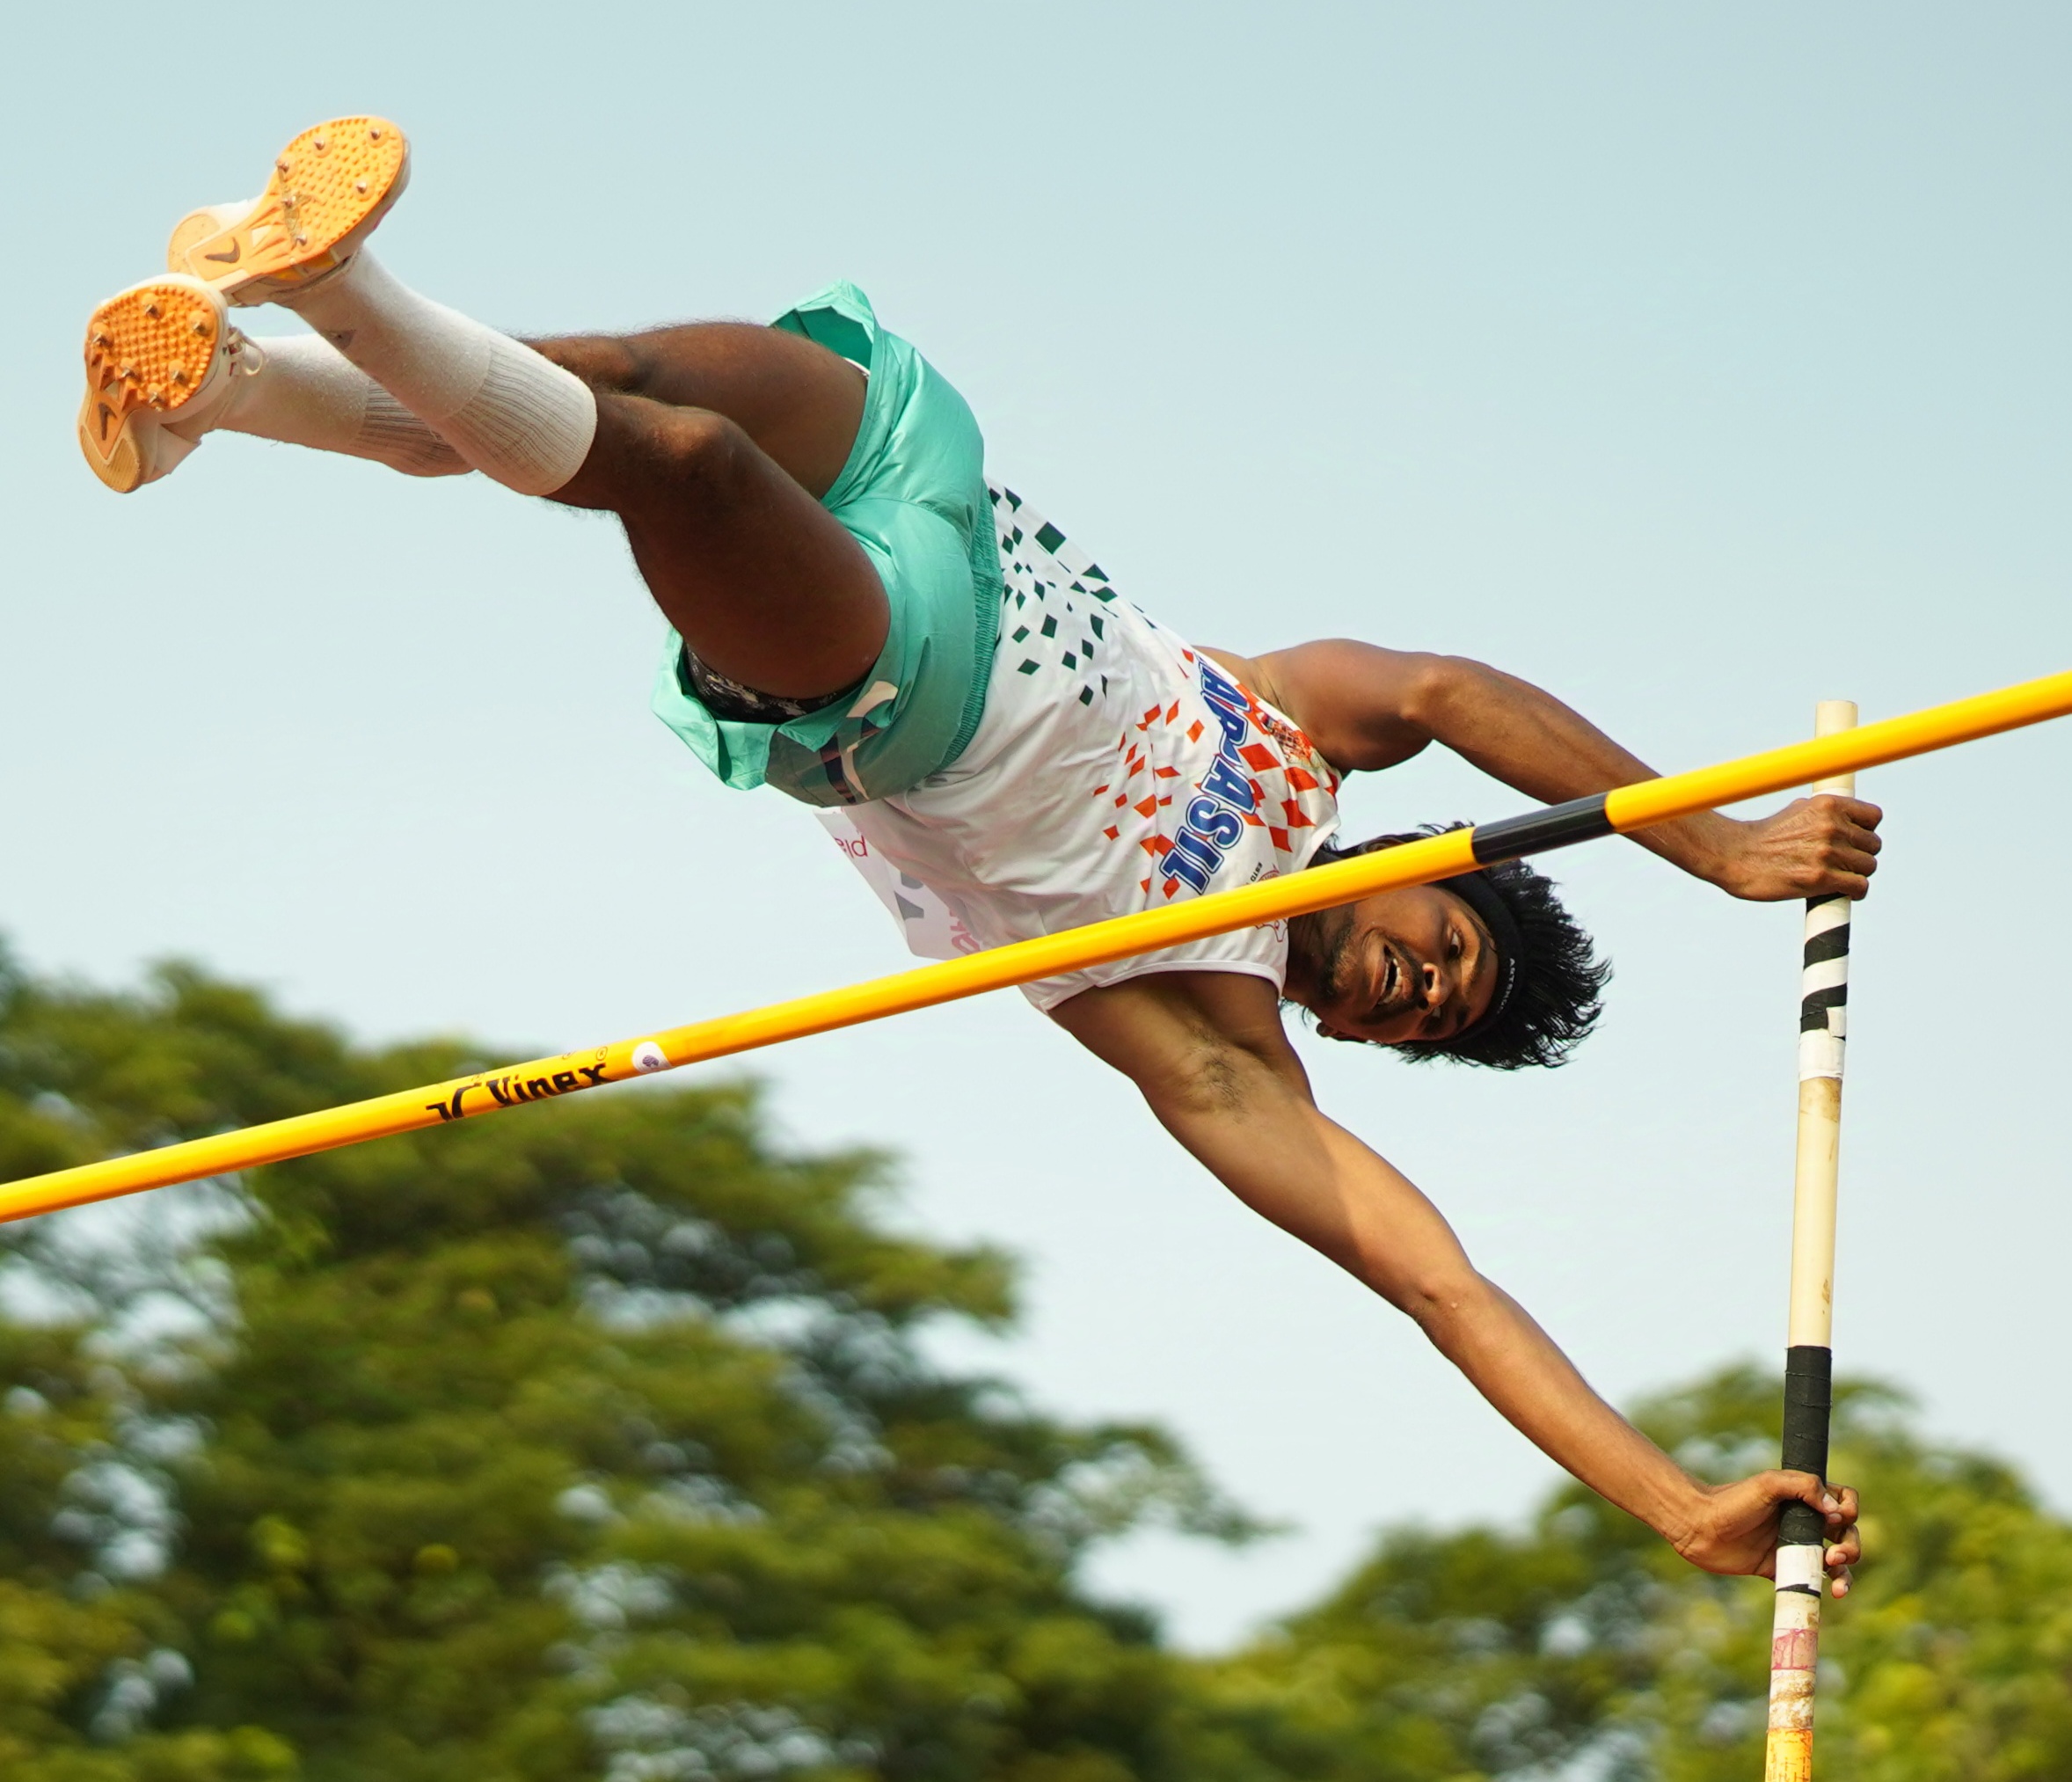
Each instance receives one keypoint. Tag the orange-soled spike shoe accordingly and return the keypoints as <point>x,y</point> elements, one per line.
<point>330,186</point>
<point>198,226</point>
<point>157,355</point>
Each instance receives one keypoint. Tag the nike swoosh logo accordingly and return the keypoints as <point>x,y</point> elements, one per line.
<point>230,258</point>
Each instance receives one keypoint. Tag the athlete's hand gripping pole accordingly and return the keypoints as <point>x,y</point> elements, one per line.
<point>1823,1010</point>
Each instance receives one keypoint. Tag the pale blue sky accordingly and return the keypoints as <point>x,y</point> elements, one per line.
<point>1698,362</point>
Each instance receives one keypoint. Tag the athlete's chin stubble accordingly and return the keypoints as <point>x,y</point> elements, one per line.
<point>1322,944</point>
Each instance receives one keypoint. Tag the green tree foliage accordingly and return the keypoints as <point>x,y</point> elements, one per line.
<point>600,1439</point>
<point>590,1440</point>
<point>1583,1640</point>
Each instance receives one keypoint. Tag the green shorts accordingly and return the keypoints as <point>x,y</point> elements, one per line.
<point>913,494</point>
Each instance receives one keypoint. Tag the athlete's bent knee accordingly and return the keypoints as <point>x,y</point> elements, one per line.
<point>655,459</point>
<point>710,458</point>
<point>705,443</point>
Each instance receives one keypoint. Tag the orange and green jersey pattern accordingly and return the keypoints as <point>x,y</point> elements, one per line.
<point>1116,769</point>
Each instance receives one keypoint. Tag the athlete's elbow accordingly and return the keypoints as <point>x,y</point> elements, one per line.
<point>1443,1301</point>
<point>1437,687</point>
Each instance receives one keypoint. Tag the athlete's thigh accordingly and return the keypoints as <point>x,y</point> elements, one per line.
<point>765,585</point>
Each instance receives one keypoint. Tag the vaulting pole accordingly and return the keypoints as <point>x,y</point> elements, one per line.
<point>1275,900</point>
<point>1809,1360</point>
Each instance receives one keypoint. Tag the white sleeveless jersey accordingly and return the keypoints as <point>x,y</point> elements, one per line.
<point>1115,770</point>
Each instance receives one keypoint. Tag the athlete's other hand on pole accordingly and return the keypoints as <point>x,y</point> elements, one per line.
<point>1735,1533</point>
<point>1368,708</point>
<point>1815,847</point>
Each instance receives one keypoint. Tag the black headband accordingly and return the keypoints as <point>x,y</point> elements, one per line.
<point>1475,890</point>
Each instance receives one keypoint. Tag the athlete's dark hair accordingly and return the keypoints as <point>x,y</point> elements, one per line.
<point>1557,994</point>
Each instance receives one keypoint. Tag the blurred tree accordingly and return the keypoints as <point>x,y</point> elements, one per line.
<point>1582,1645</point>
<point>88,1649</point>
<point>595,1441</point>
<point>602,1441</point>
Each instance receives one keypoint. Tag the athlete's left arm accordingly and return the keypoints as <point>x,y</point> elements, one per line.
<point>1368,708</point>
<point>1207,1051</point>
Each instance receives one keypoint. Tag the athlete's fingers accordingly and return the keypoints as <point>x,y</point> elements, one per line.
<point>1845,1547</point>
<point>1859,810</point>
<point>1835,882</point>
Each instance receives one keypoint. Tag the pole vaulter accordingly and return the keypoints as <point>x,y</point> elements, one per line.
<point>1619,811</point>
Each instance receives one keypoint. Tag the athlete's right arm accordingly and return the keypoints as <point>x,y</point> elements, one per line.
<point>1368,708</point>
<point>1209,1053</point>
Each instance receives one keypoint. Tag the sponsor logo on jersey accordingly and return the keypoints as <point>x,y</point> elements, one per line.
<point>1215,817</point>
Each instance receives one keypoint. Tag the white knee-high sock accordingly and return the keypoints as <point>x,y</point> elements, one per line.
<point>515,416</point>
<point>305,393</point>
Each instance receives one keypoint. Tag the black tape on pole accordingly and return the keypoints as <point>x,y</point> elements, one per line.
<point>1559,826</point>
<point>1809,1403</point>
<point>1814,1005</point>
<point>1829,943</point>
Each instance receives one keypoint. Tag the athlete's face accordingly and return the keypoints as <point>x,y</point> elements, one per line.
<point>1415,964</point>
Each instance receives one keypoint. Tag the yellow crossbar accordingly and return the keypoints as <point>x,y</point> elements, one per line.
<point>1416,863</point>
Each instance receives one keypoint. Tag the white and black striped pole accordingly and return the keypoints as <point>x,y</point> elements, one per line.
<point>1809,1369</point>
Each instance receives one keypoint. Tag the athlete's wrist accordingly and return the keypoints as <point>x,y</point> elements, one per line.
<point>1707,846</point>
<point>1679,1505</point>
